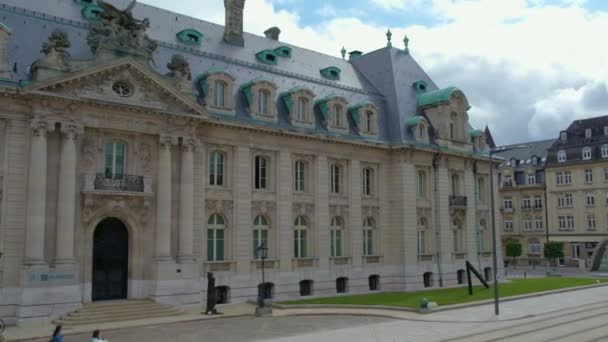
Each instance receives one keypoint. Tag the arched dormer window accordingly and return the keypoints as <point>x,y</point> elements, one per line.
<point>365,117</point>
<point>333,110</point>
<point>446,109</point>
<point>217,88</point>
<point>418,126</point>
<point>260,94</point>
<point>299,105</point>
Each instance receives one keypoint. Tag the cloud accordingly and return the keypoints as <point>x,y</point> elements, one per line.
<point>528,67</point>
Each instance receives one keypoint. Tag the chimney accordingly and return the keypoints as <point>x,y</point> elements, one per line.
<point>233,32</point>
<point>354,55</point>
<point>273,33</point>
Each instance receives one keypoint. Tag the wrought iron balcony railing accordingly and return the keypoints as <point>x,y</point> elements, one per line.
<point>126,183</point>
<point>458,201</point>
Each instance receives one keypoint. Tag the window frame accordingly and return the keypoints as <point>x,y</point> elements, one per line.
<point>336,229</point>
<point>369,181</point>
<point>215,227</point>
<point>301,236</point>
<point>561,156</point>
<point>113,174</point>
<point>586,153</point>
<point>369,229</point>
<point>262,172</point>
<point>258,234</point>
<point>212,169</point>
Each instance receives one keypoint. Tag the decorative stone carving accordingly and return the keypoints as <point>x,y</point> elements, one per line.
<point>144,153</point>
<point>139,207</point>
<point>57,45</point>
<point>89,151</point>
<point>373,212</point>
<point>339,210</point>
<point>220,207</point>
<point>40,126</point>
<point>304,209</point>
<point>119,33</point>
<point>263,208</point>
<point>179,68</point>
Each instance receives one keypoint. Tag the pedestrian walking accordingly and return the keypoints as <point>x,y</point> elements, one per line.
<point>57,337</point>
<point>97,337</point>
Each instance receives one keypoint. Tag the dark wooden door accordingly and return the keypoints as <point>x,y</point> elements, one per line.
<point>110,260</point>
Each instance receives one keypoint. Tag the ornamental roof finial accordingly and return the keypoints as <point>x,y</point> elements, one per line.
<point>389,35</point>
<point>406,41</point>
<point>343,52</point>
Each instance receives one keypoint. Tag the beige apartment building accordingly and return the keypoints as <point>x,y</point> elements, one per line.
<point>577,189</point>
<point>522,199</point>
<point>142,149</point>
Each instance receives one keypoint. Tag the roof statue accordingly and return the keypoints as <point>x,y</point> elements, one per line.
<point>119,33</point>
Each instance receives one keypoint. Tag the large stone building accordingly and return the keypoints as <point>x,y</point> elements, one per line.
<point>577,188</point>
<point>522,198</point>
<point>138,155</point>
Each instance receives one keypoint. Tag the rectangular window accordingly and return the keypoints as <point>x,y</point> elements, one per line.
<point>454,185</point>
<point>421,184</point>
<point>590,200</point>
<point>538,202</point>
<point>421,242</point>
<point>575,250</point>
<point>335,179</point>
<point>588,176</point>
<point>368,242</point>
<point>562,222</point>
<point>260,237</point>
<point>508,203</point>
<point>588,133</point>
<point>481,189</point>
<point>538,223</point>
<point>567,177</point>
<point>591,222</point>
<point>261,173</point>
<point>508,226</point>
<point>531,179</point>
<point>559,178</point>
<point>527,203</point>
<point>114,153</point>
<point>300,176</point>
<point>299,239</point>
<point>570,222</point>
<point>216,168</point>
<point>336,243</point>
<point>527,225</point>
<point>368,182</point>
<point>568,200</point>
<point>508,181</point>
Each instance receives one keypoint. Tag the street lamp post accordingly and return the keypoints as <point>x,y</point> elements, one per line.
<point>262,252</point>
<point>494,252</point>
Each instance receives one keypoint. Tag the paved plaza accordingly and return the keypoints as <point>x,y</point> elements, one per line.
<point>569,316</point>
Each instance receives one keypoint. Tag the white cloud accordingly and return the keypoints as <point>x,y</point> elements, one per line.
<point>518,61</point>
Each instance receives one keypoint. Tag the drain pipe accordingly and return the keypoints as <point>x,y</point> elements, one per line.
<point>436,216</point>
<point>476,215</point>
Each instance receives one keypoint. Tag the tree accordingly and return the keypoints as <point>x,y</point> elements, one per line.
<point>513,249</point>
<point>553,250</point>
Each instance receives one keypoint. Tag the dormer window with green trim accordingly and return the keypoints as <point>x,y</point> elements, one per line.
<point>365,118</point>
<point>267,57</point>
<point>216,87</point>
<point>190,37</point>
<point>332,73</point>
<point>420,86</point>
<point>92,12</point>
<point>283,51</point>
<point>86,2</point>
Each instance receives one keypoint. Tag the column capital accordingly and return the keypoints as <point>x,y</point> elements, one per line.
<point>166,141</point>
<point>40,126</point>
<point>190,144</point>
<point>71,130</point>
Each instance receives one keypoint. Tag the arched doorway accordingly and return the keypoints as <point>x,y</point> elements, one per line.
<point>110,260</point>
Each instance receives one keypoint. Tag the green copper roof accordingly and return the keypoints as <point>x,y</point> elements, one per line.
<point>475,133</point>
<point>5,27</point>
<point>436,96</point>
<point>413,121</point>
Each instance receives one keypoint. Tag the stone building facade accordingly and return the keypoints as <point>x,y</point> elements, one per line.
<point>522,199</point>
<point>141,149</point>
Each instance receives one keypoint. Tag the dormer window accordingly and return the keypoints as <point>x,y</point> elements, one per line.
<point>92,12</point>
<point>283,51</point>
<point>586,153</point>
<point>534,160</point>
<point>420,86</point>
<point>419,128</point>
<point>561,156</point>
<point>588,133</point>
<point>513,162</point>
<point>337,116</point>
<point>260,94</point>
<point>563,136</point>
<point>332,73</point>
<point>605,130</point>
<point>190,37</point>
<point>333,110</point>
<point>267,57</point>
<point>216,87</point>
<point>85,2</point>
<point>299,101</point>
<point>365,117</point>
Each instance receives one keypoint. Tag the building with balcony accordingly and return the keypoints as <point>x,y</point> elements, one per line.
<point>522,199</point>
<point>142,149</point>
<point>577,188</point>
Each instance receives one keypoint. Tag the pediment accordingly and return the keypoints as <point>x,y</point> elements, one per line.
<point>124,83</point>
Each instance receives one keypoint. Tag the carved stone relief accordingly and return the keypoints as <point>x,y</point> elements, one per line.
<point>373,212</point>
<point>339,210</point>
<point>304,209</point>
<point>144,152</point>
<point>220,207</point>
<point>263,208</point>
<point>138,207</point>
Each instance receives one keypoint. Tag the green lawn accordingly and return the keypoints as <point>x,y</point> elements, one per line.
<point>454,295</point>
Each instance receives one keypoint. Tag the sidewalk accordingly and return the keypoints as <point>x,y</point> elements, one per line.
<point>192,313</point>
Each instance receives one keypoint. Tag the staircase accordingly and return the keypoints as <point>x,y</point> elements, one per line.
<point>119,310</point>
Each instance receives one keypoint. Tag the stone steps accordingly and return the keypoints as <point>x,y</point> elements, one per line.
<point>114,311</point>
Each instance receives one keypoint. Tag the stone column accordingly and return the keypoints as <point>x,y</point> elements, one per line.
<point>163,200</point>
<point>356,220</point>
<point>36,194</point>
<point>66,198</point>
<point>186,201</point>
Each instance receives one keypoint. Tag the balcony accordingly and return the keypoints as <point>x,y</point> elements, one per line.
<point>127,183</point>
<point>526,208</point>
<point>507,210</point>
<point>458,201</point>
<point>340,260</point>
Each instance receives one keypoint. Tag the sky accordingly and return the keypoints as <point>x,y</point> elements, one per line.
<point>527,67</point>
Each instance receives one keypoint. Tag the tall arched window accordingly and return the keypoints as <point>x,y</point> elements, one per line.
<point>368,236</point>
<point>261,226</point>
<point>300,229</point>
<point>261,173</point>
<point>335,179</point>
<point>335,229</point>
<point>219,94</point>
<point>368,181</point>
<point>215,237</point>
<point>458,233</point>
<point>263,102</point>
<point>421,237</point>
<point>216,168</point>
<point>300,183</point>
<point>114,155</point>
<point>336,116</point>
<point>302,109</point>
